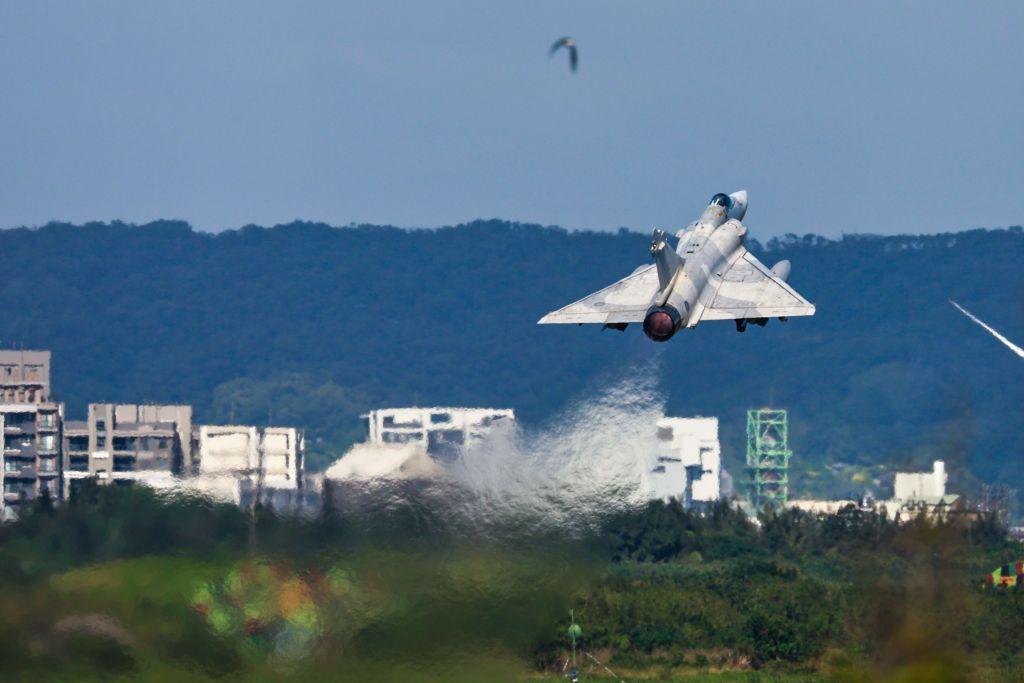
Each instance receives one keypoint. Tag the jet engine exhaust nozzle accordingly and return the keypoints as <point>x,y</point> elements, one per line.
<point>661,323</point>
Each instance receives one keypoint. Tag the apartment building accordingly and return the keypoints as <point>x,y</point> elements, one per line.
<point>24,377</point>
<point>30,430</point>
<point>124,444</point>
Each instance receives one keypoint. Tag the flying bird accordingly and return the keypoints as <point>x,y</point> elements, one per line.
<point>1013,347</point>
<point>570,45</point>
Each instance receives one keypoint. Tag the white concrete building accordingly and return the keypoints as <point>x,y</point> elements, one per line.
<point>416,443</point>
<point>688,462</point>
<point>441,432</point>
<point>917,493</point>
<point>912,486</point>
<point>238,460</point>
<point>821,507</point>
<point>283,449</point>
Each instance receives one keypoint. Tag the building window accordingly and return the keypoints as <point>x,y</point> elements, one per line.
<point>48,442</point>
<point>47,465</point>
<point>78,443</point>
<point>11,466</point>
<point>390,421</point>
<point>440,418</point>
<point>400,437</point>
<point>444,445</point>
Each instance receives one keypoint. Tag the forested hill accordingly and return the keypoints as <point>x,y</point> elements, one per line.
<point>308,324</point>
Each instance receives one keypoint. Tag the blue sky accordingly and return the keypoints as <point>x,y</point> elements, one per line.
<point>860,117</point>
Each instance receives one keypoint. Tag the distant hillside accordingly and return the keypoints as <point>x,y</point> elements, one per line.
<point>311,324</point>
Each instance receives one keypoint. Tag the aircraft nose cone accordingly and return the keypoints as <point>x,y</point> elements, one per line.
<point>659,325</point>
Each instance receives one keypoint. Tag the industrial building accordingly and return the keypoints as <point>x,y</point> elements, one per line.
<point>924,493</point>
<point>688,464</point>
<point>30,430</point>
<point>440,432</point>
<point>914,494</point>
<point>124,444</point>
<point>913,486</point>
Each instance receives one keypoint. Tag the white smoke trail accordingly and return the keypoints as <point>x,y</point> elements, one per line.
<point>588,463</point>
<point>1013,347</point>
<point>591,462</point>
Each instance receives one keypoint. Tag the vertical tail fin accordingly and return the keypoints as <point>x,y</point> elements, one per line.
<point>665,257</point>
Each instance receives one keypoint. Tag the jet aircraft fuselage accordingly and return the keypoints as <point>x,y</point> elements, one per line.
<point>709,275</point>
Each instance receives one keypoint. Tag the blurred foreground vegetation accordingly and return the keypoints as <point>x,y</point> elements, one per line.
<point>125,584</point>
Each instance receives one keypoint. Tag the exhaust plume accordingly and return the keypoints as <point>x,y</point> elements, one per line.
<point>588,463</point>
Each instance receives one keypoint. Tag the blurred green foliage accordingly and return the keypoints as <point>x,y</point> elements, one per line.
<point>125,583</point>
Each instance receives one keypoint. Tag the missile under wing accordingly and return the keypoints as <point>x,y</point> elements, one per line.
<point>710,275</point>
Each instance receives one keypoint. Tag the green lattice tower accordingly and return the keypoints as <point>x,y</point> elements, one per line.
<point>768,456</point>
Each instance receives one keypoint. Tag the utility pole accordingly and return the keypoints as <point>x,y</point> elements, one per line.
<point>574,632</point>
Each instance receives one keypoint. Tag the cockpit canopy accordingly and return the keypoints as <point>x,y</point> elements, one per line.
<point>722,200</point>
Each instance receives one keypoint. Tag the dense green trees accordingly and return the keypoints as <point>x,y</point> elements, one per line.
<point>801,588</point>
<point>886,373</point>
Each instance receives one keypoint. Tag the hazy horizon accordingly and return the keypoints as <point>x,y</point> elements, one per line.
<point>763,239</point>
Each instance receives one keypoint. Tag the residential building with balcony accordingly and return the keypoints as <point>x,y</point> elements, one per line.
<point>30,431</point>
<point>124,444</point>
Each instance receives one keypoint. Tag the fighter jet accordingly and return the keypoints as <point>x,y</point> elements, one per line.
<point>709,275</point>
